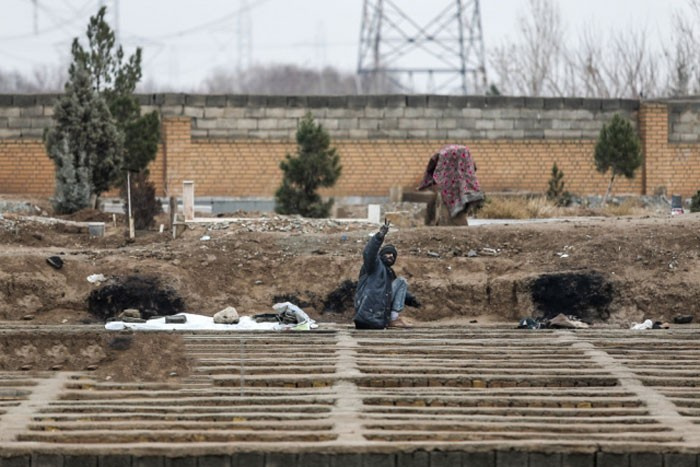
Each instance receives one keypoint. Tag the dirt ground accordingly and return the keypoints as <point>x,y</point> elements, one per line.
<point>610,271</point>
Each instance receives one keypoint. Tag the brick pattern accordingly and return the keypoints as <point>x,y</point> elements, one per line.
<point>25,168</point>
<point>669,167</point>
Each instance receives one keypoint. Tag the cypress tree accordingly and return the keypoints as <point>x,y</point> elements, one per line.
<point>316,165</point>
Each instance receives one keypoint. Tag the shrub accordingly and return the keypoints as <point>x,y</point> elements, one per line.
<point>144,204</point>
<point>316,165</point>
<point>695,202</point>
<point>618,150</point>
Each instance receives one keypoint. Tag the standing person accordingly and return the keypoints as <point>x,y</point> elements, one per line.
<point>380,295</point>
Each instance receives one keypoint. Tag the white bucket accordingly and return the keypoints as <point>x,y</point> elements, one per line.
<point>96,229</point>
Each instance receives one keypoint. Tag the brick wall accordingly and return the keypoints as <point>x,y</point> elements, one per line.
<point>231,146</point>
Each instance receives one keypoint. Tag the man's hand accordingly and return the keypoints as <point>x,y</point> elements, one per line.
<point>412,301</point>
<point>384,228</point>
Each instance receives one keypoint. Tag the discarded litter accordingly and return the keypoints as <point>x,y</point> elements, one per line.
<point>647,324</point>
<point>205,238</point>
<point>96,278</point>
<point>55,261</point>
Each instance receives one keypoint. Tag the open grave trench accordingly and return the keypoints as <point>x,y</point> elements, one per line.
<point>427,396</point>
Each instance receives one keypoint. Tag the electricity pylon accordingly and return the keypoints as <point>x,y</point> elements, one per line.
<point>446,52</point>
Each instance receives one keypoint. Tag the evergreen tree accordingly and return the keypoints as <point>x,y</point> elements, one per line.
<point>84,137</point>
<point>555,190</point>
<point>316,165</point>
<point>72,178</point>
<point>618,149</point>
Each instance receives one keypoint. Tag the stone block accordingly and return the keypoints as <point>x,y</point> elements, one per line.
<point>376,101</point>
<point>680,460</point>
<point>476,102</point>
<point>535,103</point>
<point>314,459</point>
<point>80,461</point>
<point>389,112</point>
<point>297,101</point>
<point>572,103</point>
<point>533,134</point>
<point>42,122</point>
<point>462,133</point>
<point>24,100</point>
<point>317,102</point>
<point>612,459</point>
<point>31,133</point>
<point>233,112</point>
<point>445,459</point>
<point>437,134</point>
<point>545,459</point>
<point>146,99</point>
<point>6,100</point>
<point>247,459</point>
<point>438,102</point>
<point>214,461</point>
<point>15,461</point>
<point>337,102</point>
<point>395,101</point>
<point>447,123</point>
<point>182,462</point>
<point>457,102</point>
<point>6,133</point>
<point>372,112</point>
<point>553,103</point>
<point>577,459</point>
<point>216,100</point>
<point>171,110</point>
<point>347,460</point>
<point>195,100</point>
<point>19,122</point>
<point>413,459</point>
<point>472,113</point>
<point>196,112</point>
<point>389,124</point>
<point>478,459</point>
<point>414,112</point>
<point>4,122</point>
<point>417,134</point>
<point>376,460</point>
<point>416,100</point>
<point>369,123</point>
<point>32,111</point>
<point>357,102</point>
<point>647,459</point>
<point>172,98</point>
<point>511,458</point>
<point>252,100</point>
<point>629,105</point>
<point>114,461</point>
<point>267,124</point>
<point>356,133</point>
<point>281,459</point>
<point>148,461</point>
<point>9,112</point>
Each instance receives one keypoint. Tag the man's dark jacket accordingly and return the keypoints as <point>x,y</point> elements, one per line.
<point>373,295</point>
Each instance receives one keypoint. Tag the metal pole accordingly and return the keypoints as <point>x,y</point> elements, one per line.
<point>128,195</point>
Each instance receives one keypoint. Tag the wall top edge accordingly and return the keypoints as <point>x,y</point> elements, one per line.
<point>356,101</point>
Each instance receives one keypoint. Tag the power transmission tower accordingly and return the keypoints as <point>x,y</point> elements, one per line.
<point>446,52</point>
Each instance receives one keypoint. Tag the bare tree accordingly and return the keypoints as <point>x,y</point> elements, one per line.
<point>532,64</point>
<point>683,54</point>
<point>282,79</point>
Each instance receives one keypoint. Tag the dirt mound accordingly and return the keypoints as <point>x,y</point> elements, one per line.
<point>118,356</point>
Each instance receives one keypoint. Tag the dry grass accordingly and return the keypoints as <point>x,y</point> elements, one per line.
<point>516,207</point>
<point>629,207</point>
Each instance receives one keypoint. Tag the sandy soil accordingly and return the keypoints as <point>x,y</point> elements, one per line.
<point>610,271</point>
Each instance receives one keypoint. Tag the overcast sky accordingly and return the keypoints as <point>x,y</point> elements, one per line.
<point>184,40</point>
